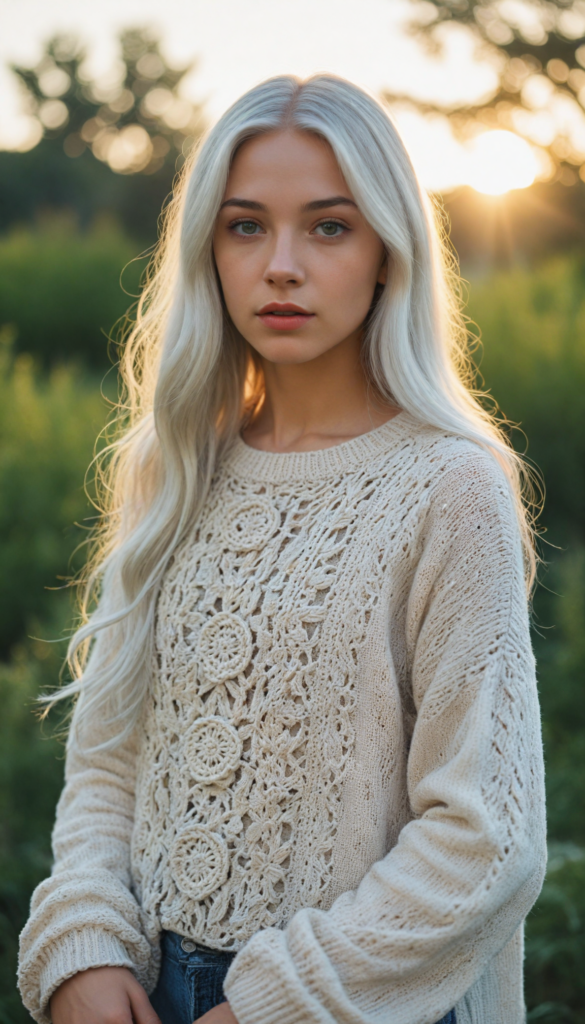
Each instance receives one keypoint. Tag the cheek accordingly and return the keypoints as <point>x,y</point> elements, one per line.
<point>235,277</point>
<point>349,284</point>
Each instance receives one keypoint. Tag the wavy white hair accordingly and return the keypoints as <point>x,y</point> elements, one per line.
<point>191,379</point>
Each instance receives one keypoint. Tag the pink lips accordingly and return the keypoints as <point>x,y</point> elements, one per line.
<point>284,316</point>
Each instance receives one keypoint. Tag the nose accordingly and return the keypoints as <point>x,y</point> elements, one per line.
<point>284,266</point>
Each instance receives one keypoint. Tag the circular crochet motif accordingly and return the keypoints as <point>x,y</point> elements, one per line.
<point>213,749</point>
<point>225,647</point>
<point>251,524</point>
<point>199,861</point>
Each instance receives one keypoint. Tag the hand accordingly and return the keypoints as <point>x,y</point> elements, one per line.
<point>103,995</point>
<point>221,1014</point>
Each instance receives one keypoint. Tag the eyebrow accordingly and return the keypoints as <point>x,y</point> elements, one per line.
<point>316,204</point>
<point>322,204</point>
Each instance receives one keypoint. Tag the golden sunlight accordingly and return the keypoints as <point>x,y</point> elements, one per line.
<point>500,161</point>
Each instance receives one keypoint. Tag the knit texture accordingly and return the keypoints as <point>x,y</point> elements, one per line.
<point>338,769</point>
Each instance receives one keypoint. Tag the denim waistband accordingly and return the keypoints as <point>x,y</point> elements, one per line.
<point>181,947</point>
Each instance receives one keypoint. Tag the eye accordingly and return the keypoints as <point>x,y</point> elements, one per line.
<point>330,228</point>
<point>245,227</point>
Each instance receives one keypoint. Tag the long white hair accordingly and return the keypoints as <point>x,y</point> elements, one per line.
<point>191,380</point>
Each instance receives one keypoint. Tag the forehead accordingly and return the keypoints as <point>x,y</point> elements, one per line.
<point>288,163</point>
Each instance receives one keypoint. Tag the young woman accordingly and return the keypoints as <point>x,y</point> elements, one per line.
<point>306,743</point>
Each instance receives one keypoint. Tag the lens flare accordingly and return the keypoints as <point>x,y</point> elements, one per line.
<point>500,161</point>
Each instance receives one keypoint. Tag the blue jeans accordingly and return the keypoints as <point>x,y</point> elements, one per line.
<point>191,981</point>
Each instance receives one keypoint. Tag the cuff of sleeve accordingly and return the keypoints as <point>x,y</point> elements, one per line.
<point>273,1007</point>
<point>260,988</point>
<point>75,952</point>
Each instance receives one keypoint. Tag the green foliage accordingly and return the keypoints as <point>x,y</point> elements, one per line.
<point>61,290</point>
<point>561,657</point>
<point>555,943</point>
<point>48,427</point>
<point>555,947</point>
<point>31,771</point>
<point>532,360</point>
<point>46,179</point>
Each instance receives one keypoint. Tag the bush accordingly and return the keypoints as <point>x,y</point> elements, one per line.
<point>533,361</point>
<point>60,290</point>
<point>555,941</point>
<point>560,648</point>
<point>48,427</point>
<point>555,935</point>
<point>31,773</point>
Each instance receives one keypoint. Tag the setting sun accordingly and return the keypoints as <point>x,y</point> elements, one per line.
<point>500,161</point>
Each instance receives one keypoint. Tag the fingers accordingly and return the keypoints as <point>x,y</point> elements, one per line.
<point>142,1010</point>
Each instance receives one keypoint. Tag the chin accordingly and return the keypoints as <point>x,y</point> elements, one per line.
<point>289,351</point>
<point>290,358</point>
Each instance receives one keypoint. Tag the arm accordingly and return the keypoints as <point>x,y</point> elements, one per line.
<point>426,920</point>
<point>84,915</point>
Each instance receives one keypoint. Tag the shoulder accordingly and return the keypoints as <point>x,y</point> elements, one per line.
<point>458,483</point>
<point>441,461</point>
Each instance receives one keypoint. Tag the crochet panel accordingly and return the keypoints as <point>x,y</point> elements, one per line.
<point>260,623</point>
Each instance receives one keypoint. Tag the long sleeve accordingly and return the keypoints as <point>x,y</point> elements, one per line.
<point>85,914</point>
<point>427,919</point>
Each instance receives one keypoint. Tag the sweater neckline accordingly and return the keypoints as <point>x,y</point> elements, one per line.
<point>281,467</point>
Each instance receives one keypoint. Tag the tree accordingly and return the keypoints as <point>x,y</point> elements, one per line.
<point>538,47</point>
<point>135,121</point>
<point>110,145</point>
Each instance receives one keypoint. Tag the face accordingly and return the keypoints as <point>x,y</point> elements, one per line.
<point>298,263</point>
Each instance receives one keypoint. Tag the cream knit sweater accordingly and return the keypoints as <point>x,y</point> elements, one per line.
<point>338,771</point>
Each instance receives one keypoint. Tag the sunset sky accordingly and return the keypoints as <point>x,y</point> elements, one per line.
<point>237,44</point>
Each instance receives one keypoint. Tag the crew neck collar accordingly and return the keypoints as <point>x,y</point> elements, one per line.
<point>282,467</point>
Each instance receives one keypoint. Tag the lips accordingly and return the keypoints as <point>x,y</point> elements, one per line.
<point>284,316</point>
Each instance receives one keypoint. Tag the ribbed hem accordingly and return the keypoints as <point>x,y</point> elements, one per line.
<point>75,952</point>
<point>257,999</point>
<point>282,467</point>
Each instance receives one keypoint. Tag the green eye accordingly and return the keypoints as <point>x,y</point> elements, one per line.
<point>246,227</point>
<point>330,228</point>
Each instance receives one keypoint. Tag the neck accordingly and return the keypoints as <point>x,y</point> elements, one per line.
<point>317,404</point>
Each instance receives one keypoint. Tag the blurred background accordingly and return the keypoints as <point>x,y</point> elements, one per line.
<point>99,105</point>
